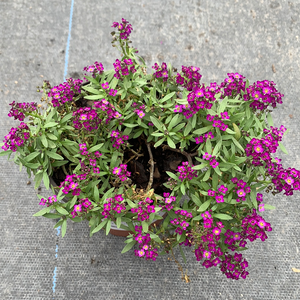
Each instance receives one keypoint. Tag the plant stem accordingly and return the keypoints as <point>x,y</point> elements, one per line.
<point>151,162</point>
<point>186,154</point>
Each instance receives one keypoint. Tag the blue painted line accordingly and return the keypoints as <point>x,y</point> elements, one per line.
<point>65,74</point>
<point>68,42</point>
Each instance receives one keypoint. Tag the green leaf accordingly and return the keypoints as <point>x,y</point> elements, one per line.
<point>208,146</point>
<point>51,216</point>
<point>46,180</point>
<point>42,212</point>
<point>156,123</point>
<point>130,125</point>
<point>199,167</point>
<point>131,204</point>
<point>223,105</point>
<point>93,97</point>
<point>196,200</point>
<point>159,142</point>
<point>187,129</point>
<point>222,216</point>
<point>7,152</point>
<point>118,222</point>
<point>96,147</point>
<point>202,130</point>
<point>270,119</point>
<point>96,193</point>
<point>207,174</point>
<point>63,228</point>
<point>238,144</point>
<point>44,140</point>
<point>182,188</point>
<point>171,143</point>
<point>128,246</point>
<point>61,210</point>
<point>66,118</point>
<point>38,179</point>
<point>268,206</point>
<point>50,124</point>
<point>145,226</point>
<point>54,155</point>
<point>59,163</point>
<point>172,175</point>
<point>100,226</point>
<point>31,156</point>
<point>217,148</point>
<point>167,97</point>
<point>114,159</point>
<point>108,225</point>
<point>173,122</point>
<point>282,148</point>
<point>215,180</point>
<point>204,206</point>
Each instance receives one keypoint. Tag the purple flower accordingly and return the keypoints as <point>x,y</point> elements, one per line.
<point>206,156</point>
<point>214,163</point>
<point>241,193</point>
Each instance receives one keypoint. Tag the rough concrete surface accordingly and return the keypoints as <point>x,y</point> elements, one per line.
<point>259,39</point>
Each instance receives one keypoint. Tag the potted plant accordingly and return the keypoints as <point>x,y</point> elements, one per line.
<point>166,160</point>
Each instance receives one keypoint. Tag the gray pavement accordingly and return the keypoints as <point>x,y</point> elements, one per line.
<point>259,39</point>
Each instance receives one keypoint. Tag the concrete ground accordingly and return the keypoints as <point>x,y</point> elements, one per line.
<point>46,39</point>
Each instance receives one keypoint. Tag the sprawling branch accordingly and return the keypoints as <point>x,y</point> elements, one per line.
<point>151,162</point>
<point>186,154</point>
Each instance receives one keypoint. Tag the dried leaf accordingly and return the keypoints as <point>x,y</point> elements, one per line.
<point>296,270</point>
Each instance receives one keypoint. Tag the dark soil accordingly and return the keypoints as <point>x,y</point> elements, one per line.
<point>139,166</point>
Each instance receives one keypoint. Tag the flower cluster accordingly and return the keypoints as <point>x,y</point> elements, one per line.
<point>144,209</point>
<point>207,245</point>
<point>90,159</point>
<point>65,92</point>
<point>109,109</point>
<point>95,69</point>
<point>253,227</point>
<point>139,111</point>
<point>233,85</point>
<point>181,222</point>
<point>284,179</point>
<point>122,68</point>
<point>121,172</point>
<point>48,201</point>
<point>233,266</point>
<point>16,137</point>
<point>190,78</point>
<point>117,138</point>
<point>71,184</point>
<point>168,200</point>
<point>217,120</point>
<point>212,161</point>
<point>203,138</point>
<point>161,72</point>
<point>18,109</point>
<point>260,149</point>
<point>87,118</point>
<point>218,195</point>
<point>241,189</point>
<point>263,93</point>
<point>201,98</point>
<point>83,206</point>
<point>146,249</point>
<point>186,171</point>
<point>124,28</point>
<point>113,205</point>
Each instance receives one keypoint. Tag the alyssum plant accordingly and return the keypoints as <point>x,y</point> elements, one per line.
<point>125,147</point>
